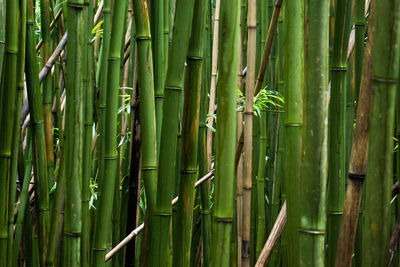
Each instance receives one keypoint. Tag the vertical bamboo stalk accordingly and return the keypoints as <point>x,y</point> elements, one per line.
<point>2,33</point>
<point>294,63</point>
<point>314,142</point>
<point>214,69</point>
<point>248,129</point>
<point>7,120</point>
<point>189,146</point>
<point>337,126</point>
<point>104,212</point>
<point>38,135</point>
<point>16,127</point>
<point>157,28</point>
<point>170,128</point>
<point>47,89</point>
<point>87,133</point>
<point>74,133</point>
<point>380,154</point>
<point>358,156</point>
<point>225,137</point>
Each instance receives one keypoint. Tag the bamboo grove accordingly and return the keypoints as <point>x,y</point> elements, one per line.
<point>199,133</point>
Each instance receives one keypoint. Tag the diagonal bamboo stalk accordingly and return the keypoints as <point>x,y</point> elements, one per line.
<point>140,228</point>
<point>273,237</point>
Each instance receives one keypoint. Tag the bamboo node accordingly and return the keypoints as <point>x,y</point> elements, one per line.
<point>223,220</point>
<point>355,176</point>
<point>162,214</point>
<point>188,171</point>
<point>5,156</point>
<point>312,232</point>
<point>384,80</point>
<point>339,69</point>
<point>173,88</point>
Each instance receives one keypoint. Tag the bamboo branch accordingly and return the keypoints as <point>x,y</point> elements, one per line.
<point>273,237</point>
<point>394,240</point>
<point>140,228</point>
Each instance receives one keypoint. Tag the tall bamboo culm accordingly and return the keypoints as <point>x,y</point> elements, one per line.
<point>74,133</point>
<point>38,135</point>
<point>358,156</point>
<point>225,137</point>
<point>248,130</point>
<point>7,120</point>
<point>105,205</point>
<point>170,128</point>
<point>337,125</point>
<point>189,146</point>
<point>376,231</point>
<point>314,139</point>
<point>294,60</point>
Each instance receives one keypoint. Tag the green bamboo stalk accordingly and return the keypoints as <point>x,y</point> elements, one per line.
<point>190,131</point>
<point>294,30</point>
<point>38,135</point>
<point>16,127</point>
<point>260,191</point>
<point>337,126</point>
<point>74,133</point>
<point>253,213</point>
<point>103,75</point>
<point>47,89</point>
<point>7,120</point>
<point>314,142</point>
<point>202,147</point>
<point>87,136</point>
<point>225,137</point>
<point>380,155</point>
<point>169,133</point>
<point>2,33</point>
<point>104,212</point>
<point>157,36</point>
<point>23,207</point>
<point>359,24</point>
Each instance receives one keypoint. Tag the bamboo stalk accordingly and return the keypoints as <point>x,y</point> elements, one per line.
<point>248,131</point>
<point>225,137</point>
<point>358,157</point>
<point>7,120</point>
<point>314,139</point>
<point>2,33</point>
<point>337,126</point>
<point>294,80</point>
<point>140,228</point>
<point>104,215</point>
<point>38,136</point>
<point>157,35</point>
<point>273,237</point>
<point>169,133</point>
<point>263,68</point>
<point>213,85</point>
<point>376,228</point>
<point>190,131</point>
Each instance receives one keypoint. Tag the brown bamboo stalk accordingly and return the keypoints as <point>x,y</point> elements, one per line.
<point>273,237</point>
<point>358,158</point>
<point>214,64</point>
<point>263,67</point>
<point>394,240</point>
<point>248,130</point>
